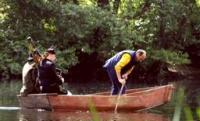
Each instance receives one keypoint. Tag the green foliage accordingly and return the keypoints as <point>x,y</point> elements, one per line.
<point>170,57</point>
<point>79,27</point>
<point>67,58</point>
<point>198,2</point>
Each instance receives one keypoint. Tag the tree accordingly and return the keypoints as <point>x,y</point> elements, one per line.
<point>97,27</point>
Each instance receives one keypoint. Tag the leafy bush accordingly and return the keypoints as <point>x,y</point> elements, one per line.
<point>163,29</point>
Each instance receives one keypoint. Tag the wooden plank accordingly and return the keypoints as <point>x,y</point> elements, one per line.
<point>38,101</point>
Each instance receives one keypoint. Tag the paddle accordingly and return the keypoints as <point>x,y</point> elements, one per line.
<point>118,98</point>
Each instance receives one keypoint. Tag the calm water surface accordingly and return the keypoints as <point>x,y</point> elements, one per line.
<point>34,115</point>
<point>10,111</point>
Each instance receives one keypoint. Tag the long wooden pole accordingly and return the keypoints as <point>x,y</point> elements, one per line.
<point>118,98</point>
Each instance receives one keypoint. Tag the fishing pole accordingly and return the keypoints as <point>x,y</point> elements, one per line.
<point>37,57</point>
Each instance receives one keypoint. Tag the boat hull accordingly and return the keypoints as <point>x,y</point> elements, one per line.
<point>134,100</point>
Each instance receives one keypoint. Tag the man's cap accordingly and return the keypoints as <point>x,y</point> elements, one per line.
<point>51,50</point>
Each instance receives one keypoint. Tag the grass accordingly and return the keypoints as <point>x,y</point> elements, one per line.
<point>179,105</point>
<point>177,108</point>
<point>182,111</point>
<point>93,111</point>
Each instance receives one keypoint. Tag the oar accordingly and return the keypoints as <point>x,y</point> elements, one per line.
<point>118,98</point>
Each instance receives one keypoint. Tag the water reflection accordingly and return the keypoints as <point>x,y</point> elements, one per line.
<point>9,108</point>
<point>34,115</point>
<point>8,115</point>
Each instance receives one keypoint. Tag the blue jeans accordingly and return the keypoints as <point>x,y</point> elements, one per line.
<point>116,85</point>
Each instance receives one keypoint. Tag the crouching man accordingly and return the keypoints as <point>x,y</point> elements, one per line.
<point>50,82</point>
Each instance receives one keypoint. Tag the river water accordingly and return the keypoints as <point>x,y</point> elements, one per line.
<point>10,110</point>
<point>34,115</point>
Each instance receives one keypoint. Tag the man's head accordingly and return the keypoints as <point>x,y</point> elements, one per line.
<point>51,54</point>
<point>140,55</point>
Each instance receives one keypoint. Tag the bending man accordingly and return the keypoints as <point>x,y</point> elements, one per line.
<point>121,65</point>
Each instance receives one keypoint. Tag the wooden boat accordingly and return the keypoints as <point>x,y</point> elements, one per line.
<point>133,100</point>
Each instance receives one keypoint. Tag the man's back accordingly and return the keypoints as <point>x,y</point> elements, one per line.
<point>48,77</point>
<point>110,63</point>
<point>29,76</point>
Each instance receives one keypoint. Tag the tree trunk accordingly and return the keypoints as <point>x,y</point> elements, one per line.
<point>162,39</point>
<point>103,3</point>
<point>116,6</point>
<point>141,10</point>
<point>76,2</point>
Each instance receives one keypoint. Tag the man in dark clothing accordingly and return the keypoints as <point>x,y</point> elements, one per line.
<point>49,81</point>
<point>121,65</point>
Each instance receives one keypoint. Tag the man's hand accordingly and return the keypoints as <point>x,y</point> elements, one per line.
<point>122,81</point>
<point>61,78</point>
<point>125,76</point>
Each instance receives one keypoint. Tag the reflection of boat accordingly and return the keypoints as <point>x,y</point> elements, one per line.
<point>33,115</point>
<point>133,100</point>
